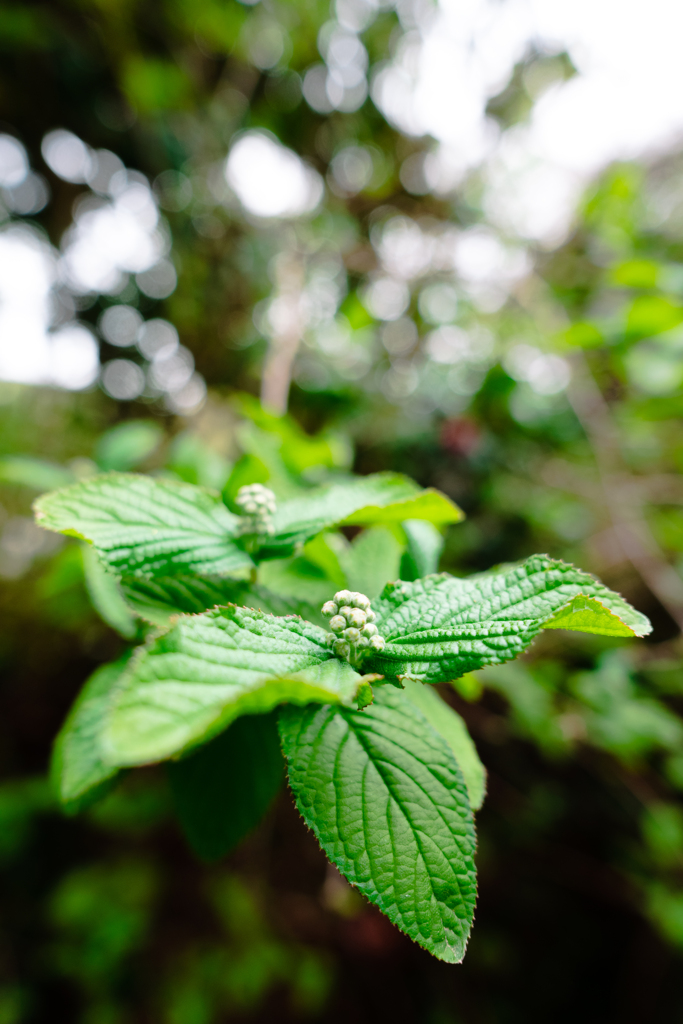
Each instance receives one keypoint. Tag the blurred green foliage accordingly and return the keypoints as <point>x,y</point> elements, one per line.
<point>108,917</point>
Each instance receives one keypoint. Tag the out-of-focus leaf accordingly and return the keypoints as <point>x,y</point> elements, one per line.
<point>147,527</point>
<point>365,501</point>
<point>38,474</point>
<point>384,796</point>
<point>450,725</point>
<point>222,790</point>
<point>425,544</point>
<point>127,444</point>
<point>371,561</point>
<point>105,594</point>
<point>162,598</point>
<point>636,274</point>
<point>78,771</point>
<point>188,685</point>
<point>193,461</point>
<point>652,314</point>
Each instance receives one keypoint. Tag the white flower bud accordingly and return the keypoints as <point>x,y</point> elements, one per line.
<point>369,630</point>
<point>363,643</point>
<point>370,616</point>
<point>377,643</point>
<point>329,609</point>
<point>342,597</point>
<point>356,618</point>
<point>342,649</point>
<point>361,601</point>
<point>352,635</point>
<point>346,610</point>
<point>337,623</point>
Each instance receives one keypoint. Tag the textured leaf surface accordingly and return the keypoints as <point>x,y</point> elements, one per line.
<point>160,599</point>
<point>78,771</point>
<point>189,684</point>
<point>222,791</point>
<point>450,725</point>
<point>441,627</point>
<point>387,802</point>
<point>146,527</point>
<point>370,500</point>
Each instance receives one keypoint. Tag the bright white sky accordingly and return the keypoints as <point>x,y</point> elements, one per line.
<point>626,101</point>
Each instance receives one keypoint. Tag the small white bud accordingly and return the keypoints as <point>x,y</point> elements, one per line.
<point>369,630</point>
<point>346,610</point>
<point>377,643</point>
<point>361,601</point>
<point>356,618</point>
<point>329,609</point>
<point>342,596</point>
<point>370,616</point>
<point>352,635</point>
<point>342,649</point>
<point>363,643</point>
<point>337,623</point>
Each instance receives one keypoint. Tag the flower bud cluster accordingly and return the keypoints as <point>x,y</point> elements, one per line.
<point>257,506</point>
<point>352,622</point>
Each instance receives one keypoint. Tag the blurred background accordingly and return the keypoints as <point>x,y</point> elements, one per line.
<point>277,241</point>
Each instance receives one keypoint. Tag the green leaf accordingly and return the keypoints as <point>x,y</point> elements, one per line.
<point>652,314</point>
<point>146,527</point>
<point>441,627</point>
<point>387,802</point>
<point>25,471</point>
<point>222,791</point>
<point>588,615</point>
<point>128,444</point>
<point>450,725</point>
<point>191,459</point>
<point>373,558</point>
<point>425,545</point>
<point>365,501</point>
<point>105,594</point>
<point>79,774</point>
<point>189,684</point>
<point>159,600</point>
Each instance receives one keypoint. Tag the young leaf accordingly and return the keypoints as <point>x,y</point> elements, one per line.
<point>27,471</point>
<point>159,600</point>
<point>128,444</point>
<point>588,615</point>
<point>386,800</point>
<point>222,791</point>
<point>450,725</point>
<point>189,684</point>
<point>441,627</point>
<point>365,501</point>
<point>105,595</point>
<point>79,774</point>
<point>425,545</point>
<point>373,558</point>
<point>146,527</point>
